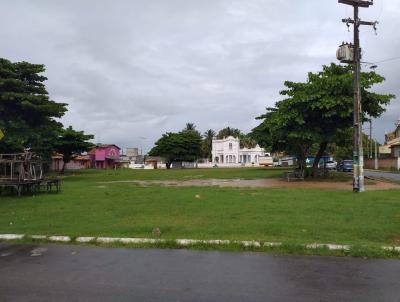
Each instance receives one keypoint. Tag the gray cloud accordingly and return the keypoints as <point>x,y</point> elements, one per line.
<point>132,69</point>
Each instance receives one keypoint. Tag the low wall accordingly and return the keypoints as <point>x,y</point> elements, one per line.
<point>223,165</point>
<point>383,163</point>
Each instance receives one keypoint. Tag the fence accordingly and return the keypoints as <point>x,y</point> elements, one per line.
<point>383,163</point>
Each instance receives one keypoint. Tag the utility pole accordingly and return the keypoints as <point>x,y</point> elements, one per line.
<point>370,152</point>
<point>376,157</point>
<point>358,154</point>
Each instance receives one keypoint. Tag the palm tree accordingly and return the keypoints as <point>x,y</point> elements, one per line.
<point>190,127</point>
<point>209,135</point>
<point>228,131</point>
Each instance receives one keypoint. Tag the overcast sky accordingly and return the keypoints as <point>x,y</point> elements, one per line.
<point>132,70</point>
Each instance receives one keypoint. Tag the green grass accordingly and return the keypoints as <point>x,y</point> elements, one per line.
<point>87,207</point>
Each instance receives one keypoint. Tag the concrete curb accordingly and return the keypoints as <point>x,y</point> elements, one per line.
<point>180,242</point>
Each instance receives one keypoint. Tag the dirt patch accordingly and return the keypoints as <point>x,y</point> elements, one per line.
<point>395,239</point>
<point>260,183</point>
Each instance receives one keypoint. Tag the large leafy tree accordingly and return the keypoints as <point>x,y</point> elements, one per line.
<point>282,130</point>
<point>181,146</point>
<point>28,117</point>
<point>319,111</point>
<point>72,142</point>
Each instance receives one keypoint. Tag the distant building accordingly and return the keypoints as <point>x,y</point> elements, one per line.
<point>228,151</point>
<point>76,163</point>
<point>132,157</point>
<point>392,142</point>
<point>132,153</point>
<point>105,156</point>
<point>389,153</point>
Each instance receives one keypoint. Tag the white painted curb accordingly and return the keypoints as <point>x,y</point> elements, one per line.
<point>107,239</point>
<point>39,237</point>
<point>60,238</point>
<point>332,247</point>
<point>181,242</point>
<point>84,239</point>
<point>11,236</point>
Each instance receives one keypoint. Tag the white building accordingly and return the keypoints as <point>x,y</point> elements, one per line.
<point>228,151</point>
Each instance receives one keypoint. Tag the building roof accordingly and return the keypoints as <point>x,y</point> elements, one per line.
<point>107,146</point>
<point>102,146</point>
<point>81,157</point>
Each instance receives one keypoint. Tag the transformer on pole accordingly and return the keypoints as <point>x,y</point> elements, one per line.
<point>351,54</point>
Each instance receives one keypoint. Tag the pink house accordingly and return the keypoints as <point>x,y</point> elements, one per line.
<point>104,156</point>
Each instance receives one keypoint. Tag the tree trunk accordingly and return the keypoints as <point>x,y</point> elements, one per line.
<point>320,153</point>
<point>63,167</point>
<point>168,165</point>
<point>302,162</point>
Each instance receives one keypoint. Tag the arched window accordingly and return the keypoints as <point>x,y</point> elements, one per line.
<point>230,146</point>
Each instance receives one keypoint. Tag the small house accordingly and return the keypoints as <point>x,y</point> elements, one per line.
<point>105,156</point>
<point>76,163</point>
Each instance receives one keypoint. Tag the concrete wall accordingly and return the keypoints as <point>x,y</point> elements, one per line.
<point>57,164</point>
<point>383,163</point>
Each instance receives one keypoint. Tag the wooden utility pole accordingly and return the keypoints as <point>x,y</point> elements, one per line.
<point>358,154</point>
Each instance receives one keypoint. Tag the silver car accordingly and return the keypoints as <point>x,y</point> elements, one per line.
<point>331,165</point>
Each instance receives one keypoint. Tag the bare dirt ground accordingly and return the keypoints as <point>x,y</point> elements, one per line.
<point>260,183</point>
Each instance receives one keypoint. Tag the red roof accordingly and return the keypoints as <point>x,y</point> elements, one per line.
<point>107,146</point>
<point>82,157</point>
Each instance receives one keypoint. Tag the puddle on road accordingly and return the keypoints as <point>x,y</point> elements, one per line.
<point>258,183</point>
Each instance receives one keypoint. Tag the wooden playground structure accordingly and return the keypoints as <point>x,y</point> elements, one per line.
<point>23,173</point>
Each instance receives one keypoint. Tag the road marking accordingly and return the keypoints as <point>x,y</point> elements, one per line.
<point>38,251</point>
<point>5,254</point>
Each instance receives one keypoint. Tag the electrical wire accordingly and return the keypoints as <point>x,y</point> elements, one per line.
<point>387,60</point>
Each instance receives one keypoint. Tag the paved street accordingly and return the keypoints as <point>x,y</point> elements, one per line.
<point>74,273</point>
<point>381,174</point>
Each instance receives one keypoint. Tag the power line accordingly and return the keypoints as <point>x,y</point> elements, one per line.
<point>387,60</point>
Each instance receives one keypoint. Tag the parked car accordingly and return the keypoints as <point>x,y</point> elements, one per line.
<point>345,166</point>
<point>265,161</point>
<point>331,165</point>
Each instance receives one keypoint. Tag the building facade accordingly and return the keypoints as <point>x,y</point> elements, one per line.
<point>105,156</point>
<point>228,151</point>
<point>392,142</point>
<point>76,163</point>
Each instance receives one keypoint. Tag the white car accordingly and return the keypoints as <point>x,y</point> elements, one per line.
<point>331,165</point>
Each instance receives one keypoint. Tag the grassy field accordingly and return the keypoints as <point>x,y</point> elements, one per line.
<point>174,174</point>
<point>89,207</point>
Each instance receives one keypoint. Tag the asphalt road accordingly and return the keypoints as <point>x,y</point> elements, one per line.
<point>76,273</point>
<point>380,174</point>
